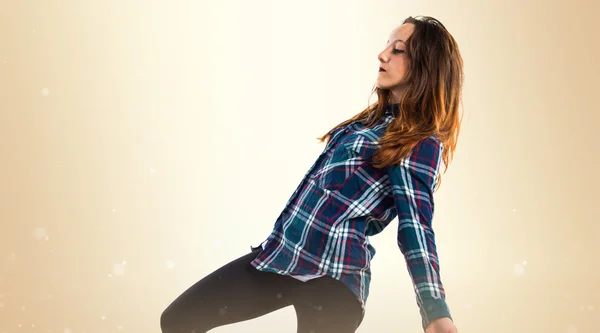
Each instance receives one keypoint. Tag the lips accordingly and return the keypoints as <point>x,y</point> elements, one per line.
<point>381,69</point>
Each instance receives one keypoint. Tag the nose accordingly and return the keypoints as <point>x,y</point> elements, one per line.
<point>382,57</point>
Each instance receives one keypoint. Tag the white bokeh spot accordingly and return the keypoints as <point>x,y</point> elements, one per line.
<point>519,269</point>
<point>118,269</point>
<point>40,233</point>
<point>170,264</point>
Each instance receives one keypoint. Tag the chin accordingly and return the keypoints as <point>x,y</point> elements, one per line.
<point>384,85</point>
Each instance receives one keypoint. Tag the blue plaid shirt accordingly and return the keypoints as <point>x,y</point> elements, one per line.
<point>325,226</point>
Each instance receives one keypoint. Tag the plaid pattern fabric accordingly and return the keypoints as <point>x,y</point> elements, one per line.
<point>325,226</point>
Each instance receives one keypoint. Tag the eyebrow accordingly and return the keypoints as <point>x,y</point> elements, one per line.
<point>397,40</point>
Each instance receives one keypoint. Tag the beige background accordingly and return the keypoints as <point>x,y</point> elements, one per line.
<point>143,144</point>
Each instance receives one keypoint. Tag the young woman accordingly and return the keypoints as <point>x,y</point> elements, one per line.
<point>383,163</point>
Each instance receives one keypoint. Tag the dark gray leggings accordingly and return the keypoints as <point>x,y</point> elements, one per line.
<point>237,292</point>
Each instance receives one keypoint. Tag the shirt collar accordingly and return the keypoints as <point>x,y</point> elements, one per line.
<point>392,109</point>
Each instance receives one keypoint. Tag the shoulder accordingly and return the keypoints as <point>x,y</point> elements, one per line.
<point>427,151</point>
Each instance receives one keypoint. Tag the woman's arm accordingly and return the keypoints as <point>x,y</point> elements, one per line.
<point>413,181</point>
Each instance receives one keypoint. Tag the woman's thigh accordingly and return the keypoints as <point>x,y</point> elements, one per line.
<point>325,305</point>
<point>233,293</point>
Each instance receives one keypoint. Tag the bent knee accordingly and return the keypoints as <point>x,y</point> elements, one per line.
<point>174,320</point>
<point>167,321</point>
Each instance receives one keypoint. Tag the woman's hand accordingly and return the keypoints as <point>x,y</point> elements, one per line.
<point>441,325</point>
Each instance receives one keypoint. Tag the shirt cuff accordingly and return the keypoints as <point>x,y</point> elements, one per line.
<point>433,309</point>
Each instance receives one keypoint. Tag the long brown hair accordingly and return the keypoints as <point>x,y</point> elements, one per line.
<point>430,103</point>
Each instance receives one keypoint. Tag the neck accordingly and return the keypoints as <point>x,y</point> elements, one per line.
<point>396,95</point>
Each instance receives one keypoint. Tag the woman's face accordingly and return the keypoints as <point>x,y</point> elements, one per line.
<point>394,61</point>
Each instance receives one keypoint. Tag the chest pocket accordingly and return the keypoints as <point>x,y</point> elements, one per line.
<point>347,157</point>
